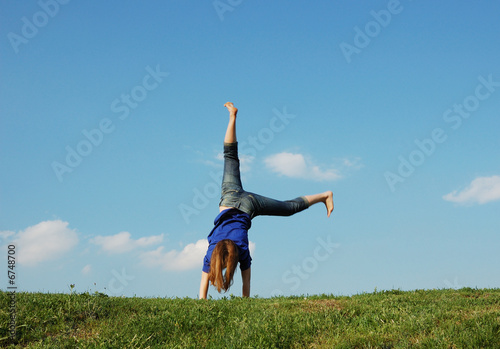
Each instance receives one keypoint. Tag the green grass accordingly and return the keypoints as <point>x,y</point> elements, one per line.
<point>466,318</point>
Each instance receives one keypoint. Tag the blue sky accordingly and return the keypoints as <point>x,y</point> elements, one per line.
<point>112,121</point>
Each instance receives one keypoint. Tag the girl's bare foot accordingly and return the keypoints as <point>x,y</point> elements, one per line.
<point>326,198</point>
<point>232,109</point>
<point>329,202</point>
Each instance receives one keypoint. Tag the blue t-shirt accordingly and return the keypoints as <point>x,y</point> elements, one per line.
<point>230,224</point>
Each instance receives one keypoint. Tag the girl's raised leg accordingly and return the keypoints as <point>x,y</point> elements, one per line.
<point>231,180</point>
<point>265,206</point>
<point>231,126</point>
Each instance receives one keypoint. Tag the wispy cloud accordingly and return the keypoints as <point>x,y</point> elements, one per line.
<point>354,163</point>
<point>297,166</point>
<point>481,190</point>
<point>6,234</point>
<point>48,240</point>
<point>87,269</point>
<point>122,242</point>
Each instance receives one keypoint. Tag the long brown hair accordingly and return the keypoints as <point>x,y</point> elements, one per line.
<point>224,256</point>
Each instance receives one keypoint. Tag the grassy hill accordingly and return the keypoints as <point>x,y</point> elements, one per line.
<point>466,318</point>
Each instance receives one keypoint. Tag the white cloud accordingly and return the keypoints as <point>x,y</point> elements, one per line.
<point>86,269</point>
<point>44,241</point>
<point>190,257</point>
<point>251,247</point>
<point>296,166</point>
<point>481,190</point>
<point>121,242</point>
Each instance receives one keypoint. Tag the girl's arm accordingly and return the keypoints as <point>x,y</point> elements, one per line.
<point>245,277</point>
<point>204,285</point>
